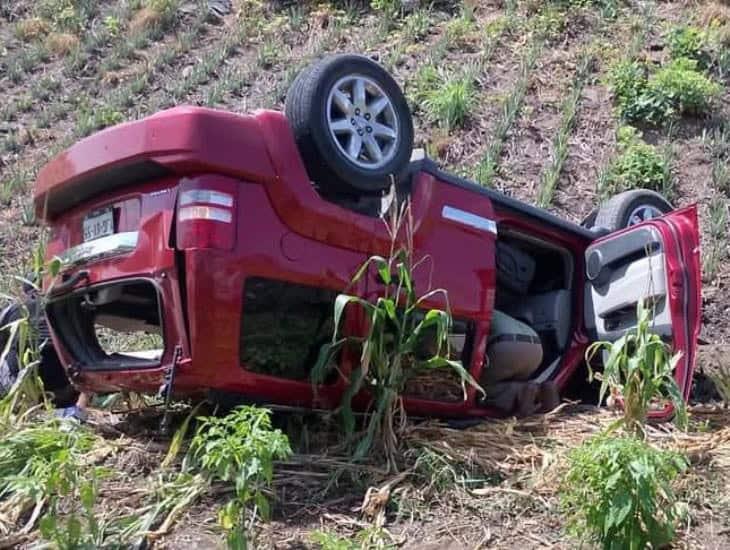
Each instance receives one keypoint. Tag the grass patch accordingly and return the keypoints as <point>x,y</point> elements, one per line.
<point>459,33</point>
<point>370,538</point>
<point>12,184</point>
<point>416,25</point>
<point>31,29</point>
<point>717,143</point>
<point>62,43</point>
<point>71,16</point>
<point>448,98</point>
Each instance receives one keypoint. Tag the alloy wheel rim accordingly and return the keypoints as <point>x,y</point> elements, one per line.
<point>362,122</point>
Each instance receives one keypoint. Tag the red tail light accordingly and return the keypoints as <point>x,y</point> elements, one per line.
<point>206,213</point>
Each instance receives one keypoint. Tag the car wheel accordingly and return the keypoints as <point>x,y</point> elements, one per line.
<point>351,123</point>
<point>630,208</point>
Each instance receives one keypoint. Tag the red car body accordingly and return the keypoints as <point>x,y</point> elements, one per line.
<point>204,202</point>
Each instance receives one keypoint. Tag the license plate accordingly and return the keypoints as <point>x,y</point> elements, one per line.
<point>99,223</point>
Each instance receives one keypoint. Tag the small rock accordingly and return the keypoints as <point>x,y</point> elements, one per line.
<point>187,71</point>
<point>217,9</point>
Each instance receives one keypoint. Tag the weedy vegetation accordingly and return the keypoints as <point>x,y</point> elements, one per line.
<point>638,369</point>
<point>688,42</point>
<point>618,493</point>
<point>716,249</point>
<point>636,165</point>
<point>676,89</point>
<point>240,448</point>
<point>618,490</point>
<point>372,538</point>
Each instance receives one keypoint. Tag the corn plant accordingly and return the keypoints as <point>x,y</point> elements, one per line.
<point>551,175</point>
<point>487,168</point>
<point>715,251</point>
<point>638,369</point>
<point>618,493</point>
<point>393,348</point>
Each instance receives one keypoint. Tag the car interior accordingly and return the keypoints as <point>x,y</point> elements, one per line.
<point>534,285</point>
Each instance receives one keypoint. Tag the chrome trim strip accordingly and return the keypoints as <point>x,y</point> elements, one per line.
<point>104,247</point>
<point>467,218</point>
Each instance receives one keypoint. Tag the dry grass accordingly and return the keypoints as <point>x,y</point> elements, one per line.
<point>713,14</point>
<point>529,452</point>
<point>30,29</point>
<point>144,19</point>
<point>61,43</point>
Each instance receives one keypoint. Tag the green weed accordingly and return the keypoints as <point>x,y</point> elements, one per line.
<point>78,527</point>
<point>551,22</point>
<point>113,25</point>
<point>268,53</point>
<point>416,25</point>
<point>460,31</point>
<point>637,165</point>
<point>618,493</point>
<point>639,370</point>
<point>688,42</point>
<point>39,461</point>
<point>27,214</point>
<point>717,143</point>
<point>96,118</point>
<point>676,89</point>
<point>240,448</point>
<point>12,184</point>
<point>388,8</point>
<point>67,15</point>
<point>369,538</point>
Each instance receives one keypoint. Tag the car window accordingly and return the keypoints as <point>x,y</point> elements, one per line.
<point>284,325</point>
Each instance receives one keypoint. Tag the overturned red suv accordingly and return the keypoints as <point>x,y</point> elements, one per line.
<point>203,250</point>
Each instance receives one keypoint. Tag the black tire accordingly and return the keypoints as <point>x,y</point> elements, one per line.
<point>590,220</point>
<point>620,211</point>
<point>327,163</point>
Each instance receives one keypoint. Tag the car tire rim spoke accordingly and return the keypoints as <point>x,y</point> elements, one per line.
<point>643,213</point>
<point>362,121</point>
<point>355,146</point>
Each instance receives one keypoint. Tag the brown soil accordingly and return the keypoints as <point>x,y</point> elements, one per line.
<point>510,511</point>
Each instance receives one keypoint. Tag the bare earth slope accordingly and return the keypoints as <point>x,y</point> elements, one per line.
<point>62,78</point>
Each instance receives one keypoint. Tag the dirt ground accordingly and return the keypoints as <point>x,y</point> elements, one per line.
<point>497,490</point>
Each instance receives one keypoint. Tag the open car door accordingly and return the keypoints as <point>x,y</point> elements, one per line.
<point>658,261</point>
